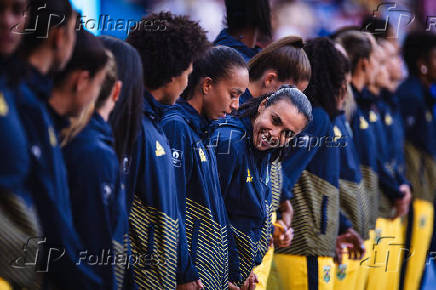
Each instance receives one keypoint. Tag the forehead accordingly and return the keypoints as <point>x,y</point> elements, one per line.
<point>288,113</point>
<point>238,77</point>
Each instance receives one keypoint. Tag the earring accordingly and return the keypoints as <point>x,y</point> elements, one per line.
<point>424,69</point>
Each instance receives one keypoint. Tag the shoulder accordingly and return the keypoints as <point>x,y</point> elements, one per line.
<point>320,124</point>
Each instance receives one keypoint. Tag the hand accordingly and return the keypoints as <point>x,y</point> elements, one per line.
<point>194,285</point>
<point>250,283</point>
<point>287,212</point>
<point>402,205</point>
<point>282,235</point>
<point>351,240</point>
<point>233,286</point>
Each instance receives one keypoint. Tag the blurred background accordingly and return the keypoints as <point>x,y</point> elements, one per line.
<point>300,17</point>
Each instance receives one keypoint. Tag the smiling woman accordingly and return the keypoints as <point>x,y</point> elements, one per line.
<point>243,143</point>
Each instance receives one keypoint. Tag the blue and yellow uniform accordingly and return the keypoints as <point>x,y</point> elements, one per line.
<point>380,183</point>
<point>201,204</point>
<point>225,39</point>
<point>245,185</point>
<point>156,232</point>
<point>18,219</point>
<point>353,199</point>
<point>416,104</point>
<point>98,199</point>
<point>48,182</point>
<point>390,114</point>
<point>311,168</point>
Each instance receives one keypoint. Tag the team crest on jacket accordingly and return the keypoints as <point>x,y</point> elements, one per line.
<point>428,116</point>
<point>372,117</point>
<point>338,133</point>
<point>4,108</point>
<point>202,155</point>
<point>326,273</point>
<point>159,149</point>
<point>52,137</point>
<point>342,272</point>
<point>249,177</point>
<point>363,124</point>
<point>388,119</point>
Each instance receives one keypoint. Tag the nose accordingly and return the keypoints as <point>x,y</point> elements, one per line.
<point>234,105</point>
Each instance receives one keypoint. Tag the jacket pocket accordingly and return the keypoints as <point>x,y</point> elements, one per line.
<point>324,217</point>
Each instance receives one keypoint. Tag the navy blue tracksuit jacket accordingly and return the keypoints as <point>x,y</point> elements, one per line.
<point>201,204</point>
<point>156,231</point>
<point>98,199</point>
<point>246,189</point>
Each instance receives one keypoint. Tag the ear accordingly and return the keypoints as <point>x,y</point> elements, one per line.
<point>363,64</point>
<point>82,80</point>
<point>116,91</point>
<point>262,106</point>
<point>206,85</point>
<point>57,36</point>
<point>270,77</point>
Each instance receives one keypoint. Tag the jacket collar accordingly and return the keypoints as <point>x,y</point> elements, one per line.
<point>103,129</point>
<point>224,38</point>
<point>41,84</point>
<point>153,108</point>
<point>197,122</point>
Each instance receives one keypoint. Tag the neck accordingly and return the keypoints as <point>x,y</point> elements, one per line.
<point>358,81</point>
<point>158,95</point>
<point>41,60</point>
<point>197,102</point>
<point>254,88</point>
<point>374,89</point>
<point>247,36</point>
<point>104,112</point>
<point>425,81</point>
<point>60,102</point>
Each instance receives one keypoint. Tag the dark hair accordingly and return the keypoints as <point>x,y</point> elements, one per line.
<point>108,83</point>
<point>125,118</point>
<point>343,29</point>
<point>285,92</point>
<point>329,67</point>
<point>43,16</point>
<point>89,55</point>
<point>417,45</point>
<point>249,13</point>
<point>168,51</point>
<point>286,56</point>
<point>357,45</point>
<point>216,63</point>
<point>378,27</point>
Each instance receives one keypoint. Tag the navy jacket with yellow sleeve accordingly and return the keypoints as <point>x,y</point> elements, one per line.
<point>202,207</point>
<point>246,190</point>
<point>311,168</point>
<point>353,199</point>
<point>156,231</point>
<point>416,105</point>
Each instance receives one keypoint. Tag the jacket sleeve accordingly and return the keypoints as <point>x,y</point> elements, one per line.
<point>344,224</point>
<point>303,148</point>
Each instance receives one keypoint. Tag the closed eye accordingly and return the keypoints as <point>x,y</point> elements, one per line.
<point>277,121</point>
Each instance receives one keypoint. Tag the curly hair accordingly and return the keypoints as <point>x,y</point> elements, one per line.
<point>167,44</point>
<point>329,70</point>
<point>417,45</point>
